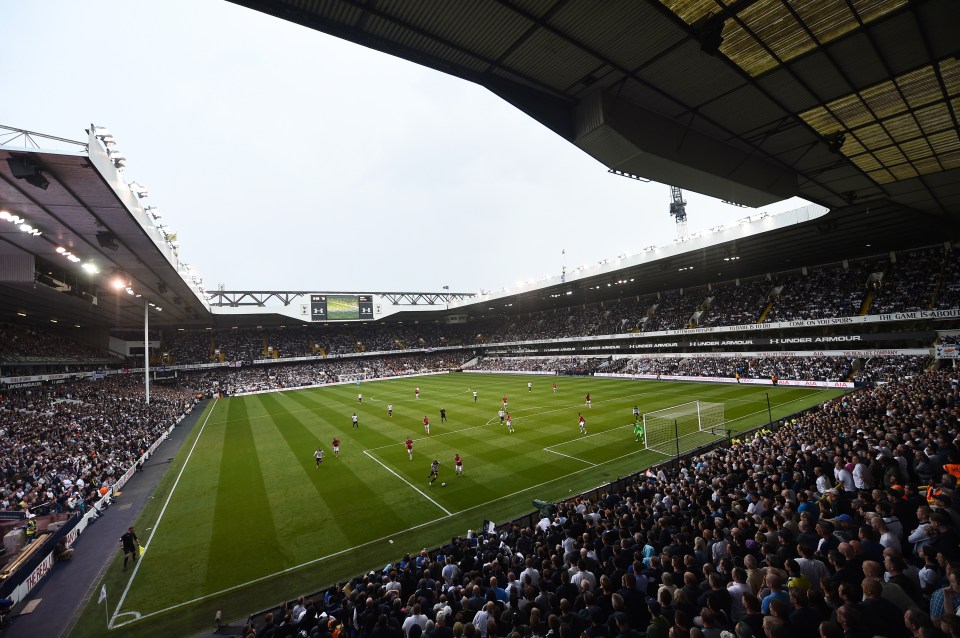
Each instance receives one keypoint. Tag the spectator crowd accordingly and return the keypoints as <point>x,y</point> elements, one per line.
<point>824,527</point>
<point>63,446</point>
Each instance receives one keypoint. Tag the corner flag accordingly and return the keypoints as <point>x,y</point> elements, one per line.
<point>103,594</point>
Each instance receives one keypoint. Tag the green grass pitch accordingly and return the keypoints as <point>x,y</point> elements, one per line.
<point>244,519</point>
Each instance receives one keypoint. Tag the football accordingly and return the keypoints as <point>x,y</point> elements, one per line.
<point>443,485</point>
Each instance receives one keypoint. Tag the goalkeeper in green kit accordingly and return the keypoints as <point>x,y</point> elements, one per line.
<point>638,430</point>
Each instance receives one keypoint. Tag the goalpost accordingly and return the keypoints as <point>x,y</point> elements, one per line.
<point>683,427</point>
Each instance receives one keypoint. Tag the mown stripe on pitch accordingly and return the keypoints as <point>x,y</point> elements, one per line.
<point>241,548</point>
<point>297,465</point>
<point>347,485</point>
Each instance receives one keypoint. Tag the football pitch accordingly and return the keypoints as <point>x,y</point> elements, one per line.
<point>244,517</point>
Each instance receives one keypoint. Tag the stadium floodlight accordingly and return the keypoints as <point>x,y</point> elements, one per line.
<point>90,267</point>
<point>138,189</point>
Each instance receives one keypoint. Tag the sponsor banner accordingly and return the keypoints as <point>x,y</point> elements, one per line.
<point>787,382</point>
<point>895,352</point>
<point>8,381</point>
<point>755,327</point>
<point>727,342</point>
<point>22,384</point>
<point>946,351</point>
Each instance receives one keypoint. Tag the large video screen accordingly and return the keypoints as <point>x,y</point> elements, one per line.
<point>341,307</point>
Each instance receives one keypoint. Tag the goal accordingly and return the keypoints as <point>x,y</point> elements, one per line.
<point>685,426</point>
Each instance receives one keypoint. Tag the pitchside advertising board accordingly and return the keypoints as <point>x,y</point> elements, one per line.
<point>341,307</point>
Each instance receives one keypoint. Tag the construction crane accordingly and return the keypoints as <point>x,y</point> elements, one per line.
<point>678,207</point>
<point>678,210</point>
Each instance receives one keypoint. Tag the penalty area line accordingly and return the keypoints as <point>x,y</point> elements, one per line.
<point>418,490</point>
<point>546,449</point>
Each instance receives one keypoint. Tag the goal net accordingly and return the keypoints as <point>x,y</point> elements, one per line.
<point>687,426</point>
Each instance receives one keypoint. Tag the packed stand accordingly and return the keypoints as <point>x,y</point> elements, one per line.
<point>909,283</point>
<point>793,368</point>
<point>673,312</point>
<point>22,344</point>
<point>737,305</point>
<point>872,370</point>
<point>821,528</point>
<point>63,444</point>
<point>263,378</point>
<point>825,291</point>
<point>556,365</point>
<point>948,292</point>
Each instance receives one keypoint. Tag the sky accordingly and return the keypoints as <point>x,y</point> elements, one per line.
<point>287,159</point>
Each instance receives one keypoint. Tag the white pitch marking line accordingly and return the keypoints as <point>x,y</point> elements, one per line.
<point>546,449</point>
<point>392,534</point>
<point>136,566</point>
<point>419,491</point>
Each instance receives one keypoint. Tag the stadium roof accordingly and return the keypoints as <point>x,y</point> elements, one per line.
<point>750,101</point>
<point>852,104</point>
<point>86,215</point>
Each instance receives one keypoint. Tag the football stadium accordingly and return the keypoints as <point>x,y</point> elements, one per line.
<point>746,431</point>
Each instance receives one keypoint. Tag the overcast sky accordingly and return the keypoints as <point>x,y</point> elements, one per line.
<point>288,159</point>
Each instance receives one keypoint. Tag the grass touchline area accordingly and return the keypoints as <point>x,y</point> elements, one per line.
<point>249,505</point>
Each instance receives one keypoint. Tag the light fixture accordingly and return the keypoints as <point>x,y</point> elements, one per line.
<point>61,250</point>
<point>22,314</point>
<point>118,283</point>
<point>53,321</point>
<point>138,189</point>
<point>90,267</point>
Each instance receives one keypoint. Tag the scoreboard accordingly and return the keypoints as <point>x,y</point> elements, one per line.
<point>341,307</point>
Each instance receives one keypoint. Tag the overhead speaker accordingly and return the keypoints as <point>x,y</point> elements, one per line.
<point>25,168</point>
<point>106,239</point>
